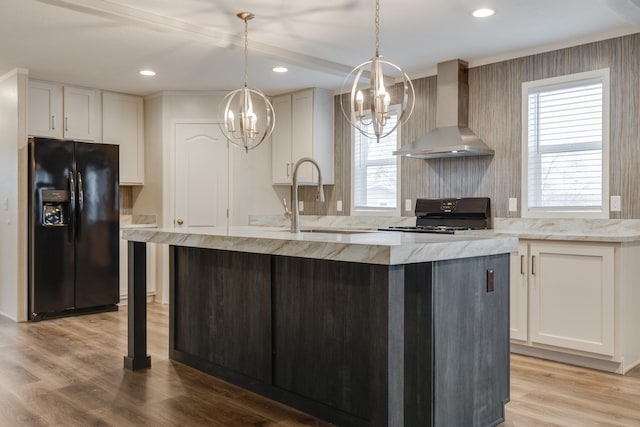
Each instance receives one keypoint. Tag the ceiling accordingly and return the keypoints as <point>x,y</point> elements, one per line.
<point>197,44</point>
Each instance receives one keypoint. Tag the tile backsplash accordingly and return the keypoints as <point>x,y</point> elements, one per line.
<point>126,200</point>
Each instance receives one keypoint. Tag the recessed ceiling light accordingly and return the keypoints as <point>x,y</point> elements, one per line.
<point>280,69</point>
<point>147,73</point>
<point>483,13</point>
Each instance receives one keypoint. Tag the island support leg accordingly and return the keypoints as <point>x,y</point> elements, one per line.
<point>137,357</point>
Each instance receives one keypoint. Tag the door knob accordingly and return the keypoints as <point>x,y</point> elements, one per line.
<point>180,221</point>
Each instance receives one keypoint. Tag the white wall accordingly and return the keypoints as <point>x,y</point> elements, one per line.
<point>250,189</point>
<point>13,190</point>
<point>147,199</point>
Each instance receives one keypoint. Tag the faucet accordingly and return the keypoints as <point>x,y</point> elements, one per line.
<point>295,218</point>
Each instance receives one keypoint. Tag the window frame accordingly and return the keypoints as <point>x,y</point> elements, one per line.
<point>377,211</point>
<point>555,83</point>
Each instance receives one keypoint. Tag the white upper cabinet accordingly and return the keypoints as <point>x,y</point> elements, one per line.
<point>57,111</point>
<point>304,128</point>
<point>281,141</point>
<point>123,124</point>
<point>45,109</point>
<point>80,108</point>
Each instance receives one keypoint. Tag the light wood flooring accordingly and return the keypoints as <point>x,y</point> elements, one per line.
<point>68,372</point>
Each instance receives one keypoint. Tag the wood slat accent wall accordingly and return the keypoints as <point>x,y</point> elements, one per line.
<point>495,115</point>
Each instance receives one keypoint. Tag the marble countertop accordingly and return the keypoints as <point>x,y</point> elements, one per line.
<point>386,248</point>
<point>556,235</point>
<point>560,229</point>
<point>580,230</point>
<point>138,221</point>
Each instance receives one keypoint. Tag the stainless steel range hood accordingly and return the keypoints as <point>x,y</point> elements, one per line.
<point>452,136</point>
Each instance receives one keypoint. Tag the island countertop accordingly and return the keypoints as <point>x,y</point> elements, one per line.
<point>368,247</point>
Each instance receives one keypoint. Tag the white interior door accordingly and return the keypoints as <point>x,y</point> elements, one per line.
<point>201,176</point>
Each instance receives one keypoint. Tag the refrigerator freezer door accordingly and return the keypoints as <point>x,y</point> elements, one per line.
<point>97,228</point>
<point>51,226</point>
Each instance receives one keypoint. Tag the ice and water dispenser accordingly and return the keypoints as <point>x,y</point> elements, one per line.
<point>55,207</point>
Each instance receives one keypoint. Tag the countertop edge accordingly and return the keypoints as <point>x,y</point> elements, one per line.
<point>348,251</point>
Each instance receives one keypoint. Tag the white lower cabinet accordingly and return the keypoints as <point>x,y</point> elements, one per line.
<point>566,298</point>
<point>519,299</point>
<point>124,270</point>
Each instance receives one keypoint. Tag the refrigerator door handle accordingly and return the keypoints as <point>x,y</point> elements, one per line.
<point>80,193</point>
<point>72,205</point>
<point>80,205</point>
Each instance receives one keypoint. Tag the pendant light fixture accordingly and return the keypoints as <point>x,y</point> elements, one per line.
<point>370,99</point>
<point>248,117</point>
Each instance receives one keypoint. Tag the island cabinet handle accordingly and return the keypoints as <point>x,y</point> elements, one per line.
<point>288,169</point>
<point>66,124</point>
<point>521,264</point>
<point>53,122</point>
<point>533,265</point>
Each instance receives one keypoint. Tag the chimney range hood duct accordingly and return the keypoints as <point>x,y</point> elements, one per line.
<point>452,136</point>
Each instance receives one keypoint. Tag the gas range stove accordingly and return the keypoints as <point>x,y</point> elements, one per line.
<point>440,229</point>
<point>446,216</point>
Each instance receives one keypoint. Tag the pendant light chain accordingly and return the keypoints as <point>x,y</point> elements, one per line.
<point>246,52</point>
<point>377,28</point>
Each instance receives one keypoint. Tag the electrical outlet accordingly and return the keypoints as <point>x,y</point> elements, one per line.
<point>339,205</point>
<point>616,204</point>
<point>513,204</point>
<point>300,206</point>
<point>407,205</point>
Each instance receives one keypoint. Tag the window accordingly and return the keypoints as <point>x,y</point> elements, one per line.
<point>375,172</point>
<point>565,146</point>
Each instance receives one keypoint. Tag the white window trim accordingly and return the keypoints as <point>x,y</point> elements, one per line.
<point>378,212</point>
<point>567,213</point>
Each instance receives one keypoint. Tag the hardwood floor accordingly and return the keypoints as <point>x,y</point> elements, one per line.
<point>68,372</point>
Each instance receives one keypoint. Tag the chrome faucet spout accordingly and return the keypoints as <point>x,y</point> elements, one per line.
<point>295,218</point>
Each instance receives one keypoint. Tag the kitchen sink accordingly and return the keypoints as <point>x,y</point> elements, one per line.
<point>336,230</point>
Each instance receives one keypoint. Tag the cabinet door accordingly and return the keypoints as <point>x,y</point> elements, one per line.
<point>122,124</point>
<point>45,109</point>
<point>302,134</point>
<point>281,141</point>
<point>572,297</point>
<point>519,293</point>
<point>80,114</point>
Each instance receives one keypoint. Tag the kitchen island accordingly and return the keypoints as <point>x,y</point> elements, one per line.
<point>358,328</point>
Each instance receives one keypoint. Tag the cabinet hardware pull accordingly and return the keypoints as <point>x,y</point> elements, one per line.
<point>53,122</point>
<point>288,169</point>
<point>533,265</point>
<point>521,264</point>
<point>66,124</point>
<point>180,221</point>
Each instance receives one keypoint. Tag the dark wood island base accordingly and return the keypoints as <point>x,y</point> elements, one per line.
<point>423,344</point>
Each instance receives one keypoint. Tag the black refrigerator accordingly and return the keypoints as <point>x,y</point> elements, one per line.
<point>74,222</point>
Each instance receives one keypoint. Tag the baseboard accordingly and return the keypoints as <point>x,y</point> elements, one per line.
<point>571,359</point>
<point>124,298</point>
